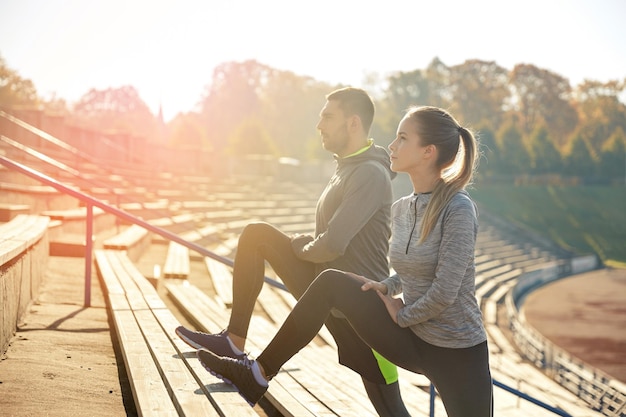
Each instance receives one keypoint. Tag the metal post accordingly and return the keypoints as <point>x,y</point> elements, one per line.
<point>88,254</point>
<point>433,394</point>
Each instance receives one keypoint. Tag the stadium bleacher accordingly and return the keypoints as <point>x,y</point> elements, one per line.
<point>146,306</point>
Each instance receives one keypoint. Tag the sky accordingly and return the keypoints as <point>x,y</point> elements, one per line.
<point>168,49</point>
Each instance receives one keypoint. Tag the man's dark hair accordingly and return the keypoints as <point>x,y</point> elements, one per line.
<point>355,101</point>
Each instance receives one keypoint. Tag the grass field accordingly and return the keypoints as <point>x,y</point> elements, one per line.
<point>584,219</point>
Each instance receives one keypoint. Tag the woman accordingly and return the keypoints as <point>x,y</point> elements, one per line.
<point>436,329</point>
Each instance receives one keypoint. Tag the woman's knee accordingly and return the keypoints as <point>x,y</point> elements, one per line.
<point>334,279</point>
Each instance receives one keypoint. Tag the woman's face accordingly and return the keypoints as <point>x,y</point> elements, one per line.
<point>406,149</point>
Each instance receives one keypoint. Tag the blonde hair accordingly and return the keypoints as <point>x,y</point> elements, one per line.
<point>457,157</point>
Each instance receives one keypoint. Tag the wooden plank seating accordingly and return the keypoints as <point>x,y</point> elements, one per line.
<point>165,377</point>
<point>133,239</point>
<point>490,285</point>
<point>485,276</point>
<point>179,223</point>
<point>20,233</point>
<point>38,197</point>
<point>23,260</point>
<point>293,390</point>
<point>310,383</point>
<point>210,315</point>
<point>74,221</point>
<point>221,274</point>
<point>177,261</point>
<point>278,303</point>
<point>8,211</point>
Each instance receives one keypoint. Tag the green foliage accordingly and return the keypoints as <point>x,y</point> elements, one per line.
<point>116,110</point>
<point>251,138</point>
<point>585,219</point>
<point>512,152</point>
<point>535,125</point>
<point>580,158</point>
<point>613,157</point>
<point>545,157</point>
<point>15,90</point>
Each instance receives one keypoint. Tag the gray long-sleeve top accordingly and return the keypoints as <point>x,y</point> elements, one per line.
<point>436,277</point>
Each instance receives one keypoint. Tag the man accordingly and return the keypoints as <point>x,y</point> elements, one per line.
<point>352,234</point>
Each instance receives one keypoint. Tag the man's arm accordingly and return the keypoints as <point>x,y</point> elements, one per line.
<point>364,196</point>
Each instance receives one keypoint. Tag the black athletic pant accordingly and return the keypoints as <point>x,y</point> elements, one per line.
<point>260,242</point>
<point>461,376</point>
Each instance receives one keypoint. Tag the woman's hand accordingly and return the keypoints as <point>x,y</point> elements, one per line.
<point>369,284</point>
<point>394,305</point>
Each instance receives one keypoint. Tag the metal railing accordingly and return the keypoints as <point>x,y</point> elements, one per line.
<point>91,202</point>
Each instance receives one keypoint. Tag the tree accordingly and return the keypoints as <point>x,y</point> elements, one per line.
<point>438,76</point>
<point>289,108</point>
<point>15,90</point>
<point>546,158</point>
<point>251,138</point>
<point>407,89</point>
<point>187,131</point>
<point>613,157</point>
<point>116,110</point>
<point>513,153</point>
<point>580,159</point>
<point>479,90</point>
<point>490,161</point>
<point>231,98</point>
<point>600,110</point>
<point>543,97</point>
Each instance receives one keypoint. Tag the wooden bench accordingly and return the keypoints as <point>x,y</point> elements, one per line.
<point>23,259</point>
<point>295,391</point>
<point>9,211</point>
<point>491,284</point>
<point>38,197</point>
<point>20,233</point>
<point>70,226</point>
<point>221,274</point>
<point>177,261</point>
<point>133,239</point>
<point>165,376</point>
<point>313,378</point>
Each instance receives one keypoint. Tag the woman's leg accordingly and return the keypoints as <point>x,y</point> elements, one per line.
<point>463,379</point>
<point>363,309</point>
<point>260,242</point>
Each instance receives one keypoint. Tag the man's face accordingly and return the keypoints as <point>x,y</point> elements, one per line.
<point>333,127</point>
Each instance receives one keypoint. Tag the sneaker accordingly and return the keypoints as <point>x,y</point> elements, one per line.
<point>244,374</point>
<point>216,343</point>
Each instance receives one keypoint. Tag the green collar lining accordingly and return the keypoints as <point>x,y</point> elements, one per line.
<point>370,141</point>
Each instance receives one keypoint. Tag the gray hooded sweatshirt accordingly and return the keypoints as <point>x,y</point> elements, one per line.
<point>353,217</point>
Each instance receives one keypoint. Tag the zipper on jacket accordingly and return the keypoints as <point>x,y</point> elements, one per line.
<point>414,202</point>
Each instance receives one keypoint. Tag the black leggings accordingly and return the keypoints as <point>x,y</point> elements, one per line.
<point>461,376</point>
<point>260,242</point>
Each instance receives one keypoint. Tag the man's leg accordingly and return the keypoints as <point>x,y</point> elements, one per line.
<point>386,399</point>
<point>380,377</point>
<point>260,242</point>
